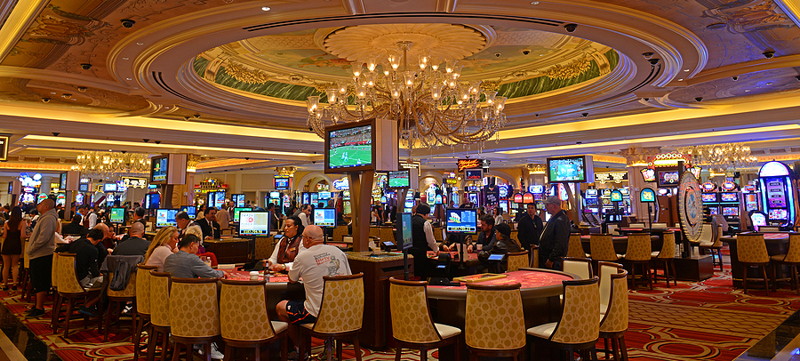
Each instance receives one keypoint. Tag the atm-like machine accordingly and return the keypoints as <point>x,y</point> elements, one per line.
<point>778,195</point>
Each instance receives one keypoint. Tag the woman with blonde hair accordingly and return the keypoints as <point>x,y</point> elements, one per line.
<point>162,246</point>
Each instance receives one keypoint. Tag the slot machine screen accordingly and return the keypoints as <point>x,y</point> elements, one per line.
<point>776,198</point>
<point>709,197</point>
<point>253,224</point>
<point>713,211</point>
<point>668,178</point>
<point>117,215</point>
<point>729,197</point>
<point>730,211</point>
<point>166,217</point>
<point>237,211</point>
<point>778,214</point>
<point>462,221</point>
<point>325,217</point>
<point>191,211</point>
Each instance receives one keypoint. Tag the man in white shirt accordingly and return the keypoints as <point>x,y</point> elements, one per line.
<point>315,262</point>
<point>92,217</point>
<point>305,215</point>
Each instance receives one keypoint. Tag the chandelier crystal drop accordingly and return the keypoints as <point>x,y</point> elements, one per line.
<point>428,99</point>
<point>108,164</point>
<point>721,157</point>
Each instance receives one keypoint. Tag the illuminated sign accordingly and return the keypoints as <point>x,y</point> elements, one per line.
<point>341,184</point>
<point>472,164</point>
<point>3,148</point>
<point>130,182</point>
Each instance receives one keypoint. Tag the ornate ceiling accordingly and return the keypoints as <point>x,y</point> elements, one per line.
<point>227,79</point>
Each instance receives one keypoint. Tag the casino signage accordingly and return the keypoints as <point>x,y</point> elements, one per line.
<point>3,148</point>
<point>472,164</point>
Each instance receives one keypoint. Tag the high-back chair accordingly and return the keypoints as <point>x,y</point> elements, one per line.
<point>615,320</point>
<point>244,321</point>
<point>581,267</point>
<point>118,299</point>
<point>412,324</point>
<point>605,270</point>
<point>341,313</point>
<point>636,225</point>
<point>338,234</point>
<point>638,254</point>
<point>54,314</point>
<point>142,306</point>
<point>578,328</point>
<point>159,314</point>
<point>386,234</point>
<point>601,247</point>
<point>752,252</point>
<point>714,247</point>
<point>69,288</point>
<point>534,256</point>
<point>516,260</point>
<point>791,258</point>
<point>575,246</point>
<point>665,256</point>
<point>189,327</point>
<point>706,234</point>
<point>659,225</point>
<point>485,320</point>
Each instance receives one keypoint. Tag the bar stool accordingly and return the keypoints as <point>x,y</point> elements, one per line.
<point>516,260</point>
<point>244,322</point>
<point>601,247</point>
<point>189,327</point>
<point>575,246</point>
<point>70,289</point>
<point>638,254</point>
<point>493,331</point>
<point>752,252</point>
<point>142,321</point>
<point>714,247</point>
<point>614,322</point>
<point>666,256</point>
<point>412,325</point>
<point>341,313</point>
<point>159,314</point>
<point>791,259</point>
<point>54,314</point>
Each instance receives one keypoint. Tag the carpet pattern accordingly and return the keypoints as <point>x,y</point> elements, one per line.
<point>693,320</point>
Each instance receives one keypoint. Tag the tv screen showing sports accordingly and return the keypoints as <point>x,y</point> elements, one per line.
<point>709,197</point>
<point>730,211</point>
<point>325,217</point>
<point>166,217</point>
<point>253,224</point>
<point>350,147</point>
<point>570,169</point>
<point>668,178</point>
<point>110,187</point>
<point>473,174</point>
<point>237,211</point>
<point>462,221</point>
<point>282,183</point>
<point>649,175</point>
<point>729,197</point>
<point>117,215</point>
<point>191,211</point>
<point>158,170</point>
<point>400,179</point>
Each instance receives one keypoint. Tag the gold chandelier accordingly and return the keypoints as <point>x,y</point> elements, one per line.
<point>432,105</point>
<point>720,157</point>
<point>108,164</point>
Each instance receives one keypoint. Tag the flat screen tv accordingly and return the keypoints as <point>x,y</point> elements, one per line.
<point>219,200</point>
<point>325,217</point>
<point>62,182</point>
<point>117,215</point>
<point>237,211</point>
<point>109,187</point>
<point>282,183</point>
<point>324,196</point>
<point>668,178</point>
<point>570,169</point>
<point>350,147</point>
<point>649,175</point>
<point>253,224</point>
<point>238,200</point>
<point>83,187</point>
<point>400,179</point>
<point>403,237</point>
<point>191,211</point>
<point>730,211</point>
<point>159,167</point>
<point>729,197</point>
<point>166,217</point>
<point>152,200</point>
<point>473,174</point>
<point>462,221</point>
<point>709,197</point>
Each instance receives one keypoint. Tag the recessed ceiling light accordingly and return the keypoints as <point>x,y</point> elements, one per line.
<point>265,8</point>
<point>534,3</point>
<point>686,70</point>
<point>140,43</point>
<point>128,78</point>
<point>747,90</point>
<point>681,79</point>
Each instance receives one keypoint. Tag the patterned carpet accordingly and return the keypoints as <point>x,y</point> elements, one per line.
<point>705,320</point>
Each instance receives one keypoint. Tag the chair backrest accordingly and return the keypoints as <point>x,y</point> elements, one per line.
<point>602,247</point>
<point>639,247</point>
<point>659,225</point>
<point>187,296</point>
<point>616,316</point>
<point>581,267</point>
<point>579,318</point>
<point>342,307</point>
<point>751,248</point>
<point>717,236</point>
<point>706,235</point>
<point>375,231</point>
<point>54,272</point>
<point>387,234</point>
<point>143,288</point>
<point>128,291</point>
<point>606,270</point>
<point>438,235</point>
<point>243,311</point>
<point>612,228</point>
<point>338,233</point>
<point>574,247</point>
<point>494,317</point>
<point>667,245</point>
<point>534,256</point>
<point>793,253</point>
<point>159,298</point>
<point>636,225</point>
<point>411,318</point>
<point>263,247</point>
<point>769,229</point>
<point>67,278</point>
<point>517,260</point>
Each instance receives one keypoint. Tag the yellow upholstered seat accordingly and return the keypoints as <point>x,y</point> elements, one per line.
<point>517,260</point>
<point>142,305</point>
<point>665,256</point>
<point>159,313</point>
<point>188,326</point>
<point>244,321</point>
<point>575,247</point>
<point>601,247</point>
<point>69,288</point>
<point>605,270</point>
<point>338,234</point>
<point>791,258</point>
<point>638,254</point>
<point>116,301</point>
<point>614,322</point>
<point>752,252</point>
<point>54,315</point>
<point>715,247</point>
<point>263,247</point>
<point>412,325</point>
<point>341,313</point>
<point>581,267</point>
<point>493,330</point>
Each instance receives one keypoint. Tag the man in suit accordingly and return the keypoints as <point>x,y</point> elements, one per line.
<point>530,227</point>
<point>209,224</point>
<point>555,236</point>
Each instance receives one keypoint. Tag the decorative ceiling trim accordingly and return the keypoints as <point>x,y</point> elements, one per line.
<point>785,61</point>
<point>17,22</point>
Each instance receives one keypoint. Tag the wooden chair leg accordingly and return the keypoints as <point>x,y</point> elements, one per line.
<point>165,346</point>
<point>68,315</point>
<point>151,344</point>
<point>258,353</point>
<point>457,347</point>
<point>423,354</point>
<point>176,351</point>
<point>136,337</point>
<point>744,278</point>
<point>766,278</point>
<point>229,353</point>
<point>397,353</point>
<point>207,349</point>
<point>357,347</point>
<point>338,349</point>
<point>284,347</point>
<point>623,348</point>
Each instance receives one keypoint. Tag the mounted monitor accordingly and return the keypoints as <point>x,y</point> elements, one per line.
<point>616,196</point>
<point>366,145</point>
<point>152,200</point>
<point>252,224</point>
<point>109,187</point>
<point>400,179</point>
<point>668,178</point>
<point>462,221</point>
<point>159,167</point>
<point>649,175</point>
<point>191,211</point>
<point>166,217</point>
<point>238,200</point>
<point>283,183</point>
<point>473,174</point>
<point>325,217</point>
<point>578,169</point>
<point>237,212</point>
<point>403,236</point>
<point>117,215</point>
<point>647,195</point>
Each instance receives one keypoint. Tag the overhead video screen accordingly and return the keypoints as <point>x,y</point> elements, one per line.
<point>350,148</point>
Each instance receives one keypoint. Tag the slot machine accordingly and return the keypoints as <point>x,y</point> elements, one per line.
<point>777,193</point>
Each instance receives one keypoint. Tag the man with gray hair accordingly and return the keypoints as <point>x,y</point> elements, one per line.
<point>135,245</point>
<point>555,236</point>
<point>41,245</point>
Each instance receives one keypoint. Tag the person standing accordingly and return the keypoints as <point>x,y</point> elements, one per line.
<point>422,240</point>
<point>305,215</point>
<point>13,228</point>
<point>555,236</point>
<point>529,227</point>
<point>40,249</point>
<point>223,218</point>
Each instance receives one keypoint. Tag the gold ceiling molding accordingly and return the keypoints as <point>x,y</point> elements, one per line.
<point>244,74</point>
<point>17,22</point>
<point>570,70</point>
<point>36,166</point>
<point>791,8</point>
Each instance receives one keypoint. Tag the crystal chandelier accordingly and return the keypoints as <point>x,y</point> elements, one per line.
<point>721,156</point>
<point>432,105</point>
<point>107,164</point>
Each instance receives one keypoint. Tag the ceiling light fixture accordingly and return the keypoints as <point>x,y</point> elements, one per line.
<point>265,8</point>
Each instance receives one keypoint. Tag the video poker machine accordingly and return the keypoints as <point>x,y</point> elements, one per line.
<point>778,196</point>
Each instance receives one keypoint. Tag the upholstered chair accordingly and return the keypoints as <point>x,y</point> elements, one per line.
<point>790,259</point>
<point>142,320</point>
<point>614,321</point>
<point>516,260</point>
<point>69,288</point>
<point>752,252</point>
<point>575,246</point>
<point>341,313</point>
<point>244,322</point>
<point>581,267</point>
<point>188,326</point>
<point>601,247</point>
<point>495,324</point>
<point>665,256</point>
<point>638,256</point>
<point>714,247</point>
<point>54,314</point>
<point>159,314</point>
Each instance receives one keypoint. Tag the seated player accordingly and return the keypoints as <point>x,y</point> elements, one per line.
<point>186,264</point>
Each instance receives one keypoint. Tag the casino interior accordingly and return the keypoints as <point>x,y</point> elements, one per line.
<point>668,133</point>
